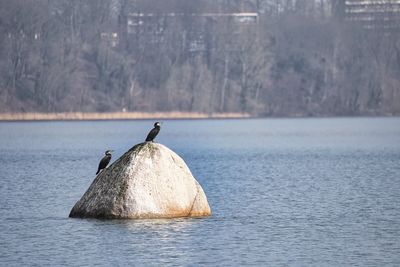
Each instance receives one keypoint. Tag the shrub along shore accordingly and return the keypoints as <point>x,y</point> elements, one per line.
<point>36,116</point>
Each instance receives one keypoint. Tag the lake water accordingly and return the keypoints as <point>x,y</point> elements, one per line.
<point>284,192</point>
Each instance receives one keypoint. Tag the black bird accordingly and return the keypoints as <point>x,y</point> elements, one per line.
<point>153,133</point>
<point>104,161</point>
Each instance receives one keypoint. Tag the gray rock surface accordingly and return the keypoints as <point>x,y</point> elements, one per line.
<point>148,181</point>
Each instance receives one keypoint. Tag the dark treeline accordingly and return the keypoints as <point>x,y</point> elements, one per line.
<point>264,57</point>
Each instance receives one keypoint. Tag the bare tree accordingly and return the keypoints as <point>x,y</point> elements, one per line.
<point>265,57</point>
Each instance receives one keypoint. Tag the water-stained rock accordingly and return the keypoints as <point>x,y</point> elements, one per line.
<point>148,181</point>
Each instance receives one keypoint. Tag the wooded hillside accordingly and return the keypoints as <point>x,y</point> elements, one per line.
<point>263,57</point>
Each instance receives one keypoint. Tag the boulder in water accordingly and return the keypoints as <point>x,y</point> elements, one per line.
<point>148,181</point>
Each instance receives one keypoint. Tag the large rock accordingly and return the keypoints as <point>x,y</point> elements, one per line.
<point>148,181</point>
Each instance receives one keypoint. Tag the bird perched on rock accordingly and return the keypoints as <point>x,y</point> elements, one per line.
<point>105,160</point>
<point>153,133</point>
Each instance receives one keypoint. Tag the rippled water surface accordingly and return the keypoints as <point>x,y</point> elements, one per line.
<point>297,192</point>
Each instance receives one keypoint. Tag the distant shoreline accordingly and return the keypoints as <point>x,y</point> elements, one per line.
<point>83,116</point>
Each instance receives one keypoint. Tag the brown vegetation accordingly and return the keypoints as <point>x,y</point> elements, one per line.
<point>291,58</point>
<point>31,116</point>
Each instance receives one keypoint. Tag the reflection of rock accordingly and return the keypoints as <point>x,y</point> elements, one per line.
<point>148,181</point>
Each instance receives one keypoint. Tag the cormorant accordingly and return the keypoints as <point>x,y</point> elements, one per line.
<point>153,133</point>
<point>104,161</point>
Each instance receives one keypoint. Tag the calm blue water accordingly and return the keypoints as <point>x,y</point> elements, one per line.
<point>297,192</point>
